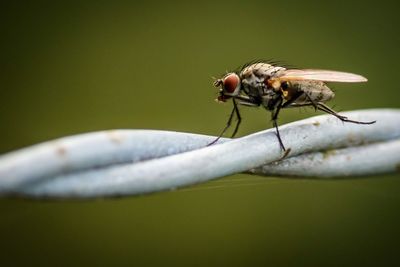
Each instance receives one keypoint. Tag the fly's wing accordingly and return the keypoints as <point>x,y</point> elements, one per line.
<point>320,75</point>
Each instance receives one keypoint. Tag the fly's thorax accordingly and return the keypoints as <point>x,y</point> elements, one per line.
<point>260,70</point>
<point>255,76</point>
<point>315,90</point>
<point>270,99</point>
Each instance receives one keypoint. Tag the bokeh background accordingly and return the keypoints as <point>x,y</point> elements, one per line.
<point>69,67</point>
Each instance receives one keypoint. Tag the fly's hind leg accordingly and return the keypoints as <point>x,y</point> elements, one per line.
<point>325,108</point>
<point>321,106</point>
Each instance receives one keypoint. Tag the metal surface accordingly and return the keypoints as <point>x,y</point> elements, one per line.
<point>130,162</point>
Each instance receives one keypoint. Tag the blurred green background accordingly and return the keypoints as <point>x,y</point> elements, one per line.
<point>69,67</point>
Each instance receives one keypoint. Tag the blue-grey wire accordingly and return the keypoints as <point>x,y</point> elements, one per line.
<point>129,162</point>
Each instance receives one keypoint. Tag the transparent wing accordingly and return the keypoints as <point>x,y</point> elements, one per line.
<point>321,75</point>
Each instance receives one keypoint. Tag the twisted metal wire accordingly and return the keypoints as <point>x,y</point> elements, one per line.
<point>130,162</point>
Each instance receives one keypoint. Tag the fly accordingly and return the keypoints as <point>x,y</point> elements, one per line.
<point>274,88</point>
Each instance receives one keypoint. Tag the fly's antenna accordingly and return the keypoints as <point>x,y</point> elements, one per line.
<point>218,82</point>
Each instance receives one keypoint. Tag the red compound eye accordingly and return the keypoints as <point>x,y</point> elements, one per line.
<point>231,82</point>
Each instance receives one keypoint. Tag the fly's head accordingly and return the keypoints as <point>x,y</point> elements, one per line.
<point>229,86</point>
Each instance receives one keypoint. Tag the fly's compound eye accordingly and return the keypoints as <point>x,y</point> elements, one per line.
<point>231,84</point>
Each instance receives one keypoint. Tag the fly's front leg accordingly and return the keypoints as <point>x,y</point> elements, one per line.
<point>244,100</point>
<point>248,101</point>
<point>228,124</point>
<point>235,110</point>
<point>239,118</point>
<point>247,104</point>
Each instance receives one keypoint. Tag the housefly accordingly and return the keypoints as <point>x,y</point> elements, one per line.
<point>275,87</point>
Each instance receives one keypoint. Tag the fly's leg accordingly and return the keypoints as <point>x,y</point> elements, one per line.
<point>248,101</point>
<point>325,108</point>
<point>228,124</point>
<point>275,123</point>
<point>275,114</point>
<point>321,106</point>
<point>275,117</point>
<point>312,102</point>
<point>293,99</point>
<point>239,118</point>
<point>244,100</point>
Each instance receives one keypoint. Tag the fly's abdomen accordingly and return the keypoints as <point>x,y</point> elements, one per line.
<point>313,91</point>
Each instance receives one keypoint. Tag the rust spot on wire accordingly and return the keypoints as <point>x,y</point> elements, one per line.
<point>351,138</point>
<point>61,151</point>
<point>115,137</point>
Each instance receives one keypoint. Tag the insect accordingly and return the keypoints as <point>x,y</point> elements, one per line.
<point>275,87</point>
